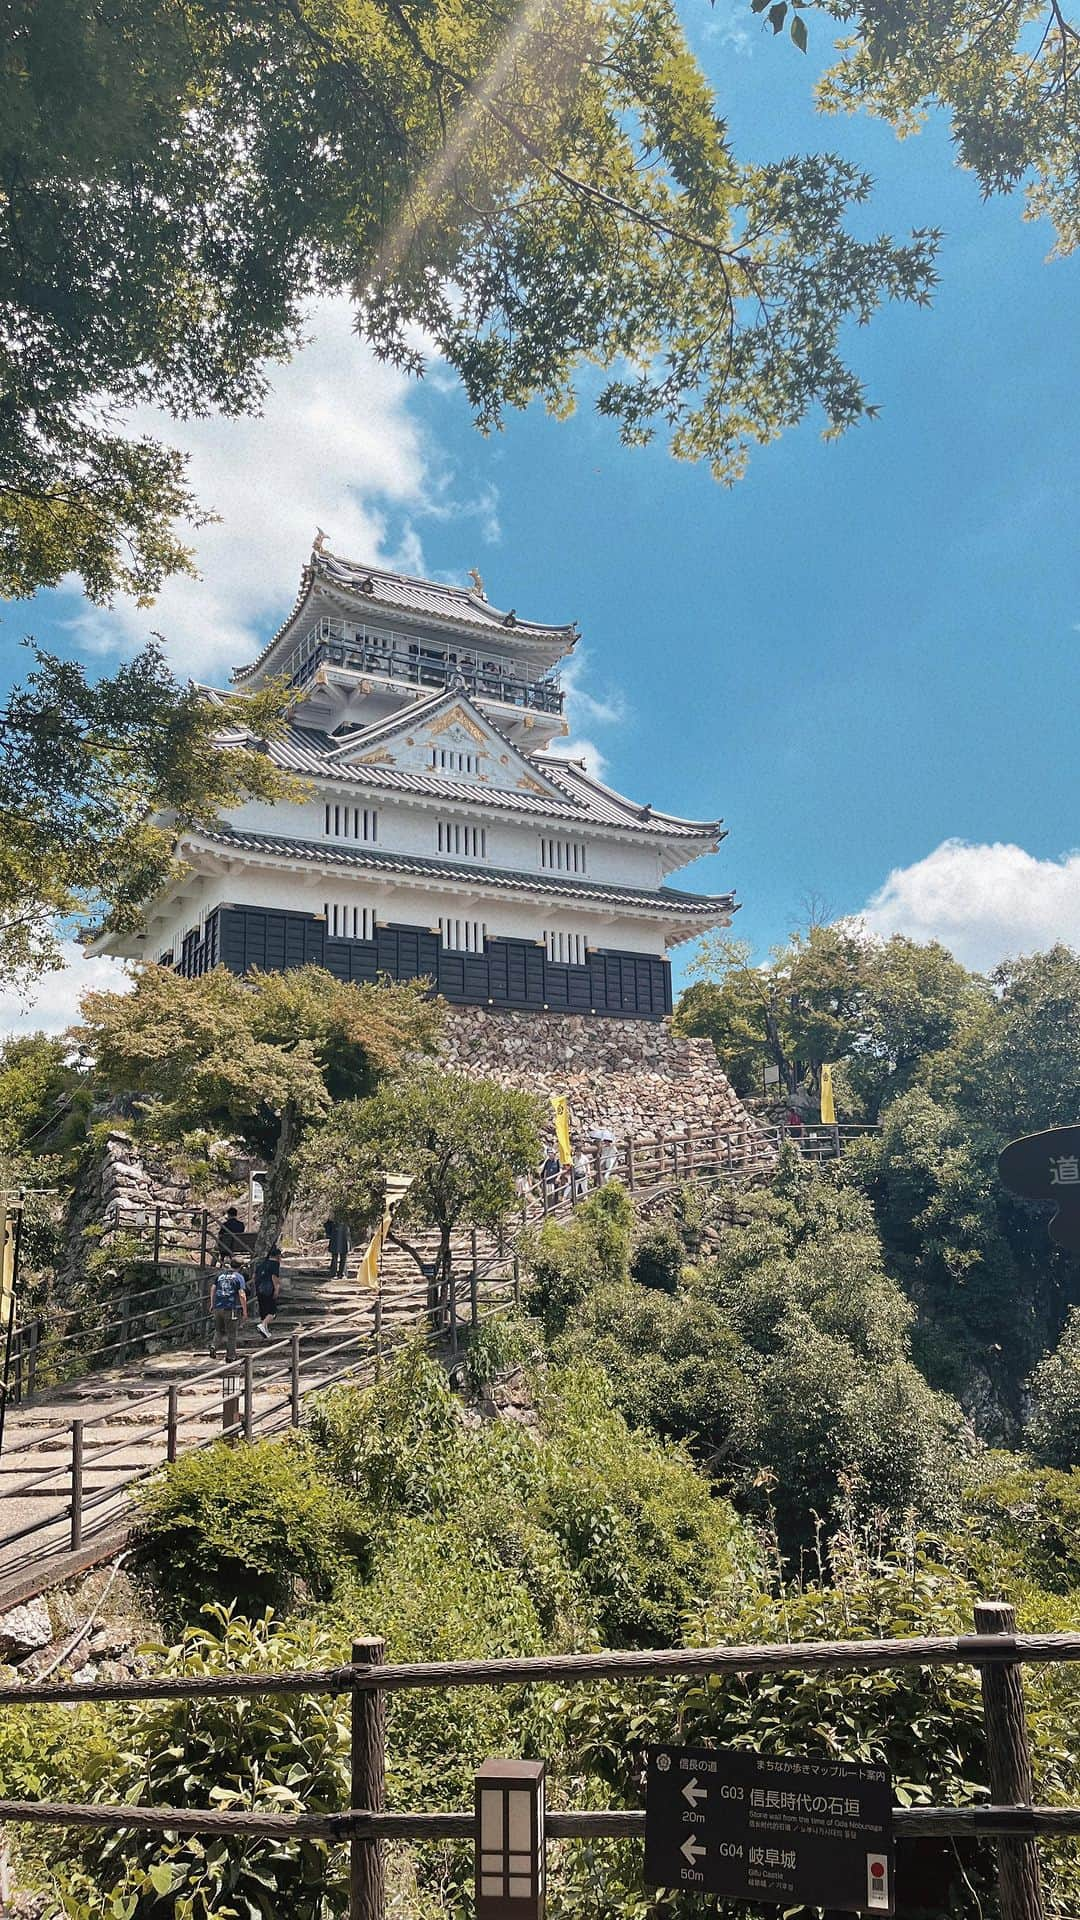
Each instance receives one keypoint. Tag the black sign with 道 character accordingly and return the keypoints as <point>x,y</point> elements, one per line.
<point>748,1826</point>
<point>1046,1166</point>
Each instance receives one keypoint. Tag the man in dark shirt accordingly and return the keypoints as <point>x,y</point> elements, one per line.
<point>230,1235</point>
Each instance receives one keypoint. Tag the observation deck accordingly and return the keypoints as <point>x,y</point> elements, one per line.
<point>401,659</point>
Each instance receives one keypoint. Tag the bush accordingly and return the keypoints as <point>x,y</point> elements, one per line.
<point>1053,1431</point>
<point>1022,1525</point>
<point>504,1344</point>
<point>657,1259</point>
<point>279,1753</point>
<point>567,1262</point>
<point>393,1445</point>
<point>242,1526</point>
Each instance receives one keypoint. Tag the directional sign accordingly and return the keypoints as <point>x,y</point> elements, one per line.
<point>750,1827</point>
<point>1046,1166</point>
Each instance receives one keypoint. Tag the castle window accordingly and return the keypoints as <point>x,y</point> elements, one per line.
<point>562,856</point>
<point>566,948</point>
<point>466,843</point>
<point>344,921</point>
<point>463,936</point>
<point>454,760</point>
<point>350,823</point>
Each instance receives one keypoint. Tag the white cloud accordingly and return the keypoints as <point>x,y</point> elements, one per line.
<point>52,1003</point>
<point>984,902</point>
<point>337,446</point>
<point>585,709</point>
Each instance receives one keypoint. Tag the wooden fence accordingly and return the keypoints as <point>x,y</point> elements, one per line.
<point>1008,1819</point>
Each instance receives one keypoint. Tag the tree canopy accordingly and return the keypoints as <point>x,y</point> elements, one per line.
<point>97,778</point>
<point>527,193</point>
<point>462,1139</point>
<point>256,1062</point>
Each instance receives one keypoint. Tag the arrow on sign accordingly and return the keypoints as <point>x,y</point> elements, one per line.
<point>691,1851</point>
<point>693,1793</point>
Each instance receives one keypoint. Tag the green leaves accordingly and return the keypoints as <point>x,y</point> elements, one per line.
<point>588,211</point>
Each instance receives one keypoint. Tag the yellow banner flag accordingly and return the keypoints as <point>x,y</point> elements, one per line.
<point>7,1266</point>
<point>561,1108</point>
<point>368,1273</point>
<point>828,1104</point>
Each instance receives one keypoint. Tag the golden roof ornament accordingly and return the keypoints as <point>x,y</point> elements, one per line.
<point>319,543</point>
<point>478,584</point>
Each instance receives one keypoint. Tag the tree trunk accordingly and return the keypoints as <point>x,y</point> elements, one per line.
<point>446,1274</point>
<point>279,1186</point>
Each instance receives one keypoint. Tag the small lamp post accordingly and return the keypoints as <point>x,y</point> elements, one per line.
<point>510,1875</point>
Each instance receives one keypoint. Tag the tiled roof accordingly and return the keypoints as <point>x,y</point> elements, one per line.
<point>459,605</point>
<point>584,801</point>
<point>707,908</point>
<point>432,596</point>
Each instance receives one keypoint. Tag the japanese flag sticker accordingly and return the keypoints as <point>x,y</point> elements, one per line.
<point>877,1882</point>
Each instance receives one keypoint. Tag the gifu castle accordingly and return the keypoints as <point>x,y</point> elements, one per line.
<point>442,833</point>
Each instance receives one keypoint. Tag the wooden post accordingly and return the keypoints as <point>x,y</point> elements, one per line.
<point>248,1397</point>
<point>204,1237</point>
<point>170,1424</point>
<point>474,1299</point>
<point>31,1361</point>
<point>451,1297</point>
<point>17,1383</point>
<point>378,1333</point>
<point>367,1888</point>
<point>517,1283</point>
<point>294,1377</point>
<point>157,1236</point>
<point>230,1407</point>
<point>125,1325</point>
<point>76,1482</point>
<point>1009,1756</point>
<point>630,1164</point>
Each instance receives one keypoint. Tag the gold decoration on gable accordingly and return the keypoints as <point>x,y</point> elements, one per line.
<point>532,786</point>
<point>457,716</point>
<point>374,760</point>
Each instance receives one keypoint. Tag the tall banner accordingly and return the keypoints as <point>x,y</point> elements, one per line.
<point>397,1186</point>
<point>828,1104</point>
<point>7,1266</point>
<point>561,1108</point>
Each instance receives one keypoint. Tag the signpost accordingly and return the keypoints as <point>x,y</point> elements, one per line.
<point>749,1826</point>
<point>1046,1166</point>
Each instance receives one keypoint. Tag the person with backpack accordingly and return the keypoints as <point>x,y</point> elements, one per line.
<point>228,1302</point>
<point>267,1288</point>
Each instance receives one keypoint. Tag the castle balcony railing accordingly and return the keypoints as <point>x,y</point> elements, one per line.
<point>398,658</point>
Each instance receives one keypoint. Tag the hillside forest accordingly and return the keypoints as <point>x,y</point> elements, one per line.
<point>843,1403</point>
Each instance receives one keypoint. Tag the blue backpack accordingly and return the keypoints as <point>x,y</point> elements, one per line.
<point>227,1290</point>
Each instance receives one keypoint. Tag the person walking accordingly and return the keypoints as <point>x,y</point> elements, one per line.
<point>550,1174</point>
<point>230,1236</point>
<point>581,1174</point>
<point>228,1303</point>
<point>267,1278</point>
<point>338,1236</point>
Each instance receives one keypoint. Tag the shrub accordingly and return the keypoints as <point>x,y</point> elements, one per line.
<point>1022,1524</point>
<point>280,1753</point>
<point>657,1259</point>
<point>1054,1427</point>
<point>504,1344</point>
<point>241,1526</point>
<point>567,1261</point>
<point>393,1445</point>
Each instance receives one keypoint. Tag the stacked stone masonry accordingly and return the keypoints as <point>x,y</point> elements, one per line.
<point>636,1077</point>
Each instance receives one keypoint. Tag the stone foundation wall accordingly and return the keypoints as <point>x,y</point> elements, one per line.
<point>634,1076</point>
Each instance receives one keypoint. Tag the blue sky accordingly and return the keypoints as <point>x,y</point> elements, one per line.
<point>861,655</point>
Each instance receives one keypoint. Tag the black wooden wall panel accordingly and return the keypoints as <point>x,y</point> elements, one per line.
<point>509,973</point>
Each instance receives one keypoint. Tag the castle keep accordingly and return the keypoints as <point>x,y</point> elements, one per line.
<point>443,834</point>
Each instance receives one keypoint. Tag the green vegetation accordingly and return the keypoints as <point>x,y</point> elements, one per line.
<point>257,1061</point>
<point>765,1414</point>
<point>462,1140</point>
<point>583,206</point>
<point>89,774</point>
